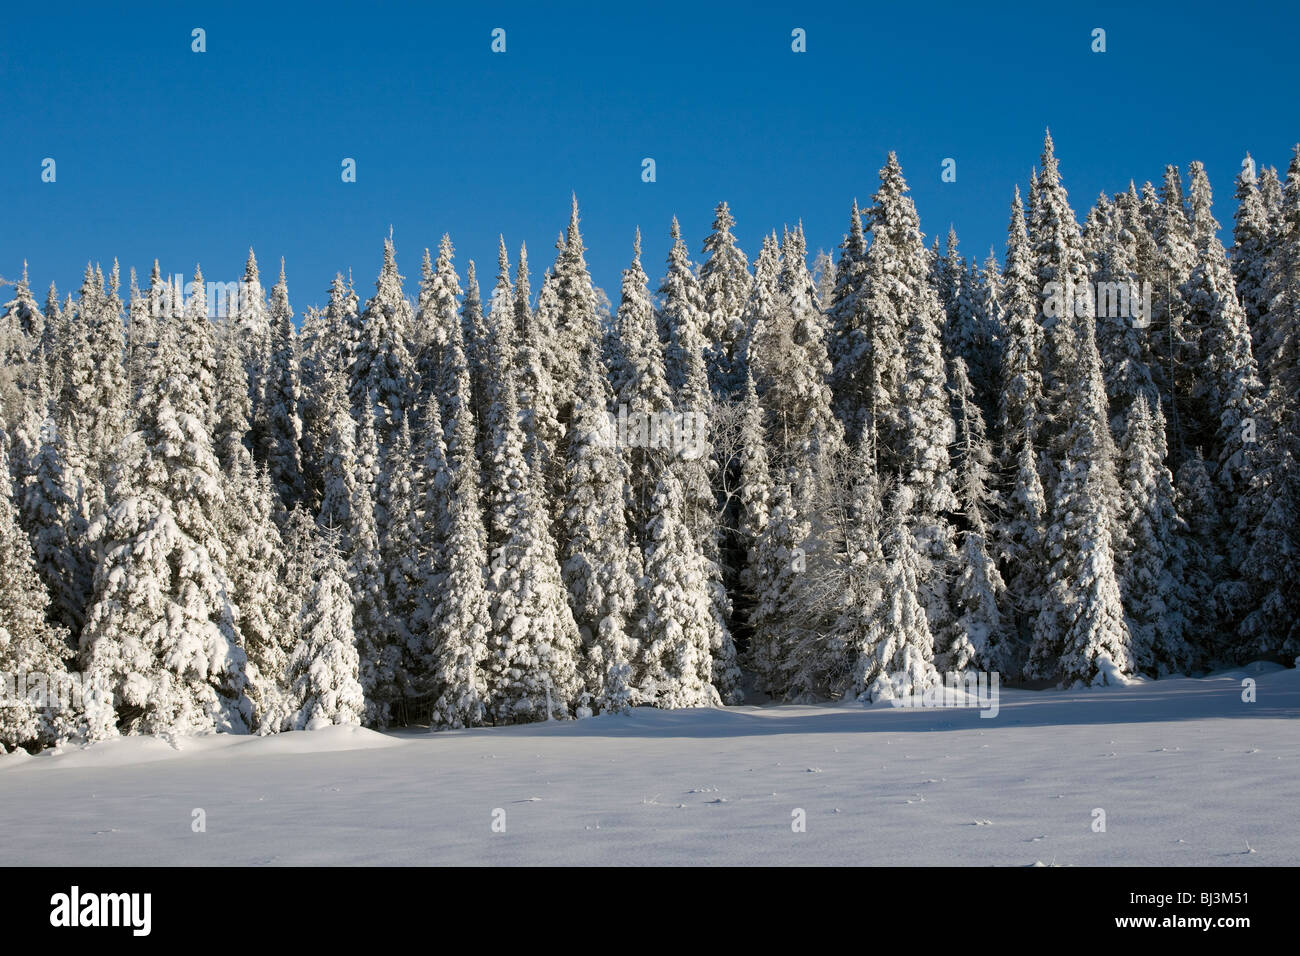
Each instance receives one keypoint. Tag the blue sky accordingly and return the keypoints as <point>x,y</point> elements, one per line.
<point>163,152</point>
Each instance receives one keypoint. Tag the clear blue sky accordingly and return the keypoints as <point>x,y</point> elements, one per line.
<point>162,152</point>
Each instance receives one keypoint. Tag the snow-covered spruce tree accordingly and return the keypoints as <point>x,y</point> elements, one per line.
<point>476,351</point>
<point>534,363</point>
<point>32,650</point>
<point>460,623</point>
<point>140,337</point>
<point>775,561</point>
<point>1020,404</point>
<point>51,501</point>
<point>898,294</point>
<point>532,666</point>
<point>442,360</point>
<point>425,565</point>
<point>400,533</point>
<point>985,283</point>
<point>755,498</point>
<point>300,534</point>
<point>1229,391</point>
<point>1279,340</point>
<point>380,657</point>
<point>823,275</point>
<point>1122,336</point>
<point>1175,342</point>
<point>326,347</point>
<point>256,558</point>
<point>922,413</point>
<point>198,349</point>
<point>893,651</point>
<point>1152,565</point>
<point>22,366</point>
<point>53,332</point>
<point>93,404</point>
<point>979,593</point>
<point>682,313</point>
<point>282,428</point>
<point>1081,634</point>
<point>1270,191</point>
<point>854,582</point>
<point>160,635</point>
<point>1062,286</point>
<point>576,321</point>
<point>339,467</point>
<point>496,325</point>
<point>963,332</point>
<point>382,368</point>
<point>523,323</point>
<point>255,551</point>
<point>725,283</point>
<point>461,425</point>
<point>790,366</point>
<point>787,359</point>
<point>323,672</point>
<point>252,322</point>
<point>601,565</point>
<point>639,383</point>
<point>849,343</point>
<point>1021,541</point>
<point>684,317</point>
<point>1194,500</point>
<point>1271,507</point>
<point>674,633</point>
<point>232,429</point>
<point>1250,247</point>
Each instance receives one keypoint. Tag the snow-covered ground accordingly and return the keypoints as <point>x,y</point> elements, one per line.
<point>1185,771</point>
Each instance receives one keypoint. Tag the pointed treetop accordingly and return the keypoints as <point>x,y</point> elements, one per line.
<point>1050,176</point>
<point>574,237</point>
<point>636,246</point>
<point>250,267</point>
<point>722,218</point>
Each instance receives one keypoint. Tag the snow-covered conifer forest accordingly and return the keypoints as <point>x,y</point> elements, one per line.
<point>485,497</point>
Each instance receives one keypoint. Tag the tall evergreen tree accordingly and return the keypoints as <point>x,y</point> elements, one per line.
<point>725,284</point>
<point>894,652</point>
<point>283,420</point>
<point>382,367</point>
<point>32,650</point>
<point>160,634</point>
<point>532,666</point>
<point>1153,564</point>
<point>324,667</point>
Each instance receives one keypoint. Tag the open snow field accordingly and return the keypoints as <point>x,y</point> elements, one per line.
<point>1186,772</point>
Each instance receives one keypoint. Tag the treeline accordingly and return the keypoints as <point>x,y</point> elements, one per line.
<point>411,510</point>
